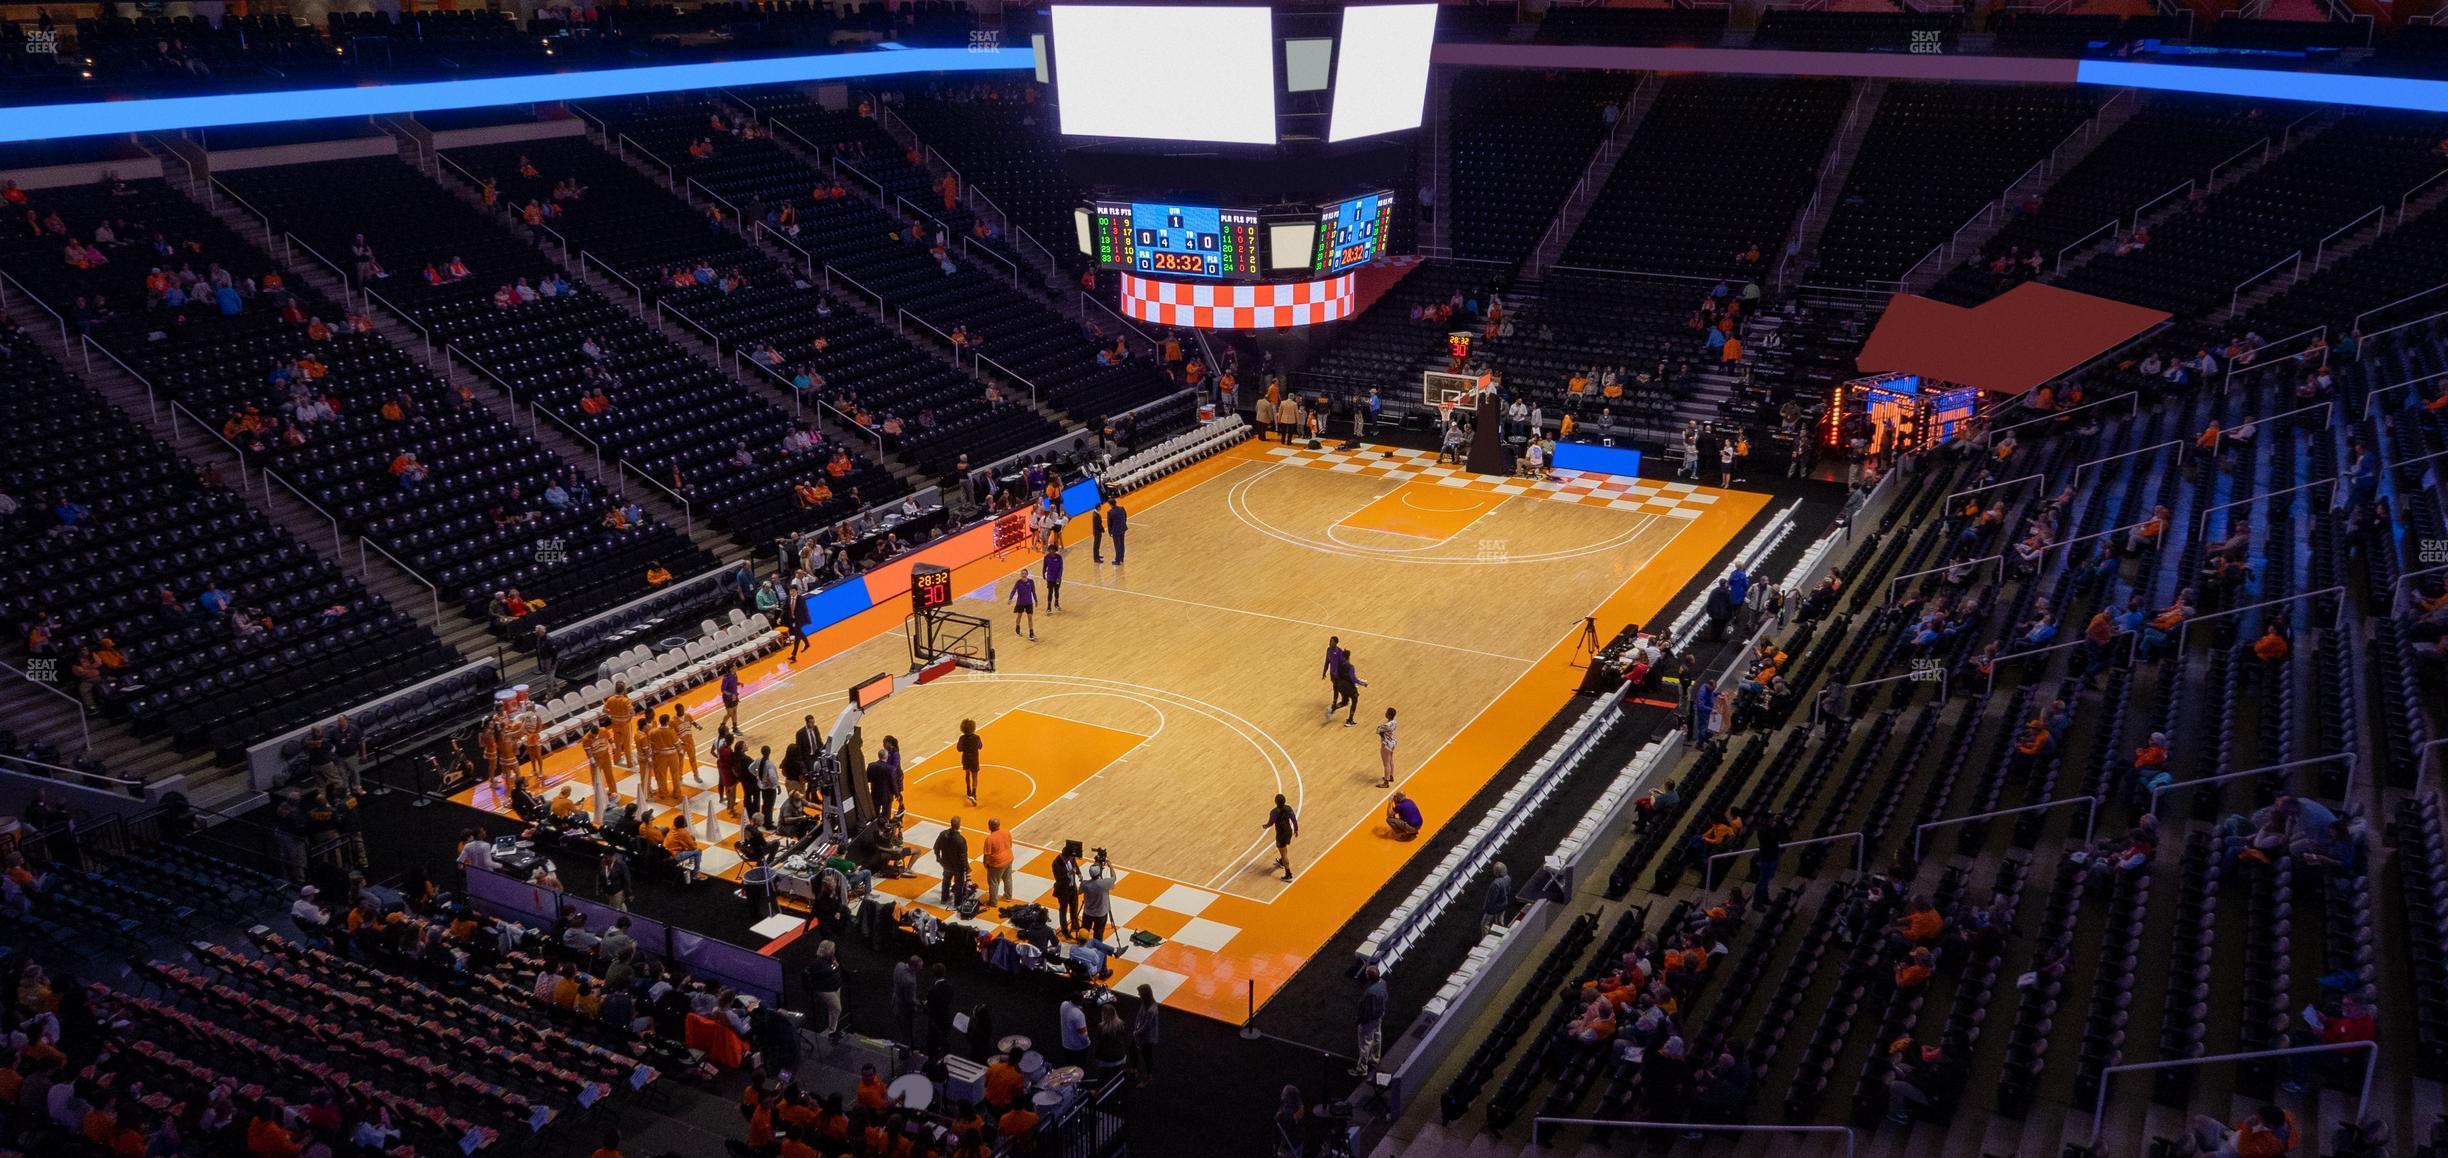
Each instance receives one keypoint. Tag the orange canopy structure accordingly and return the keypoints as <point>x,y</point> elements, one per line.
<point>2005,346</point>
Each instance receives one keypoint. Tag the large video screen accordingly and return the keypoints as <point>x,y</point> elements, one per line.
<point>1381,69</point>
<point>1170,73</point>
<point>1353,232</point>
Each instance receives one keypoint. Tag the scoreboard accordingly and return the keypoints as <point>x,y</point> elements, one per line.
<point>1165,240</point>
<point>930,587</point>
<point>1353,232</point>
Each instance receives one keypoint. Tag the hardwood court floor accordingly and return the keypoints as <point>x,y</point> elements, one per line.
<point>1161,710</point>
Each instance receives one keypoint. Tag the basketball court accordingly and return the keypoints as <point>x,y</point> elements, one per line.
<point>1162,709</point>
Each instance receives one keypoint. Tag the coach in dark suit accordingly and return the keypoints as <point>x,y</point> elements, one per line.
<point>1117,524</point>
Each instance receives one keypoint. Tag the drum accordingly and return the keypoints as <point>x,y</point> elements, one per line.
<point>912,1090</point>
<point>1032,1064</point>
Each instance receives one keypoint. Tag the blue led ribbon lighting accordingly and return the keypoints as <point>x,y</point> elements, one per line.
<point>165,114</point>
<point>2380,92</point>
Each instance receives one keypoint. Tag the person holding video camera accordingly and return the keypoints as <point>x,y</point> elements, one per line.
<point>1096,898</point>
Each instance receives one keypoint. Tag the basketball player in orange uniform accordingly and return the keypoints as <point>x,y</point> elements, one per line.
<point>598,748</point>
<point>500,759</point>
<point>622,716</point>
<point>684,729</point>
<point>663,758</point>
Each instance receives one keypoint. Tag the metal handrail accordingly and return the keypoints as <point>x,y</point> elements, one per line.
<point>920,210</point>
<point>2131,398</point>
<point>242,203</point>
<point>2324,404</point>
<point>6,280</point>
<point>1125,323</point>
<point>600,264</point>
<point>2099,1107</point>
<point>1708,870</point>
<point>830,273</point>
<point>2371,401</point>
<point>2346,793</point>
<point>2403,325</point>
<point>84,724</point>
<point>134,786</point>
<point>289,240</point>
<point>2235,300</point>
<point>2320,249</point>
<point>2179,443</point>
<point>2419,186</point>
<point>556,235</point>
<point>1948,502</point>
<point>904,317</point>
<point>2357,325</point>
<point>2263,145</point>
<point>2143,210</point>
<point>405,569</point>
<point>2090,817</point>
<point>778,125</point>
<point>339,545</point>
<point>700,186</point>
<point>2000,560</point>
<point>1918,675</point>
<point>475,182</point>
<point>1904,279</point>
<point>1007,372</point>
<point>2254,355</point>
<point>1680,1127</point>
<point>671,176</point>
<point>2133,644</point>
<point>662,307</point>
<point>405,316</point>
<point>1640,273</point>
<point>246,479</point>
<point>839,164</point>
<point>2201,527</point>
<point>152,403</point>
<point>2086,239</point>
<point>2335,622</point>
<point>971,249</point>
<point>846,420</point>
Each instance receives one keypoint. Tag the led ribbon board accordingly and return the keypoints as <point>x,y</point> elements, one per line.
<point>165,114</point>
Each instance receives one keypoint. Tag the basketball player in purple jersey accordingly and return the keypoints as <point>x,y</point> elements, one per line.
<point>1053,575</point>
<point>1024,603</point>
<point>1334,659</point>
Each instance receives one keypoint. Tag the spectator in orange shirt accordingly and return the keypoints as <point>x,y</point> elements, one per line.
<point>998,861</point>
<point>1922,924</point>
<point>2271,647</point>
<point>2269,1132</point>
<point>1915,970</point>
<point>2152,756</point>
<point>1018,1126</point>
<point>683,846</point>
<point>610,1148</point>
<point>1005,1084</point>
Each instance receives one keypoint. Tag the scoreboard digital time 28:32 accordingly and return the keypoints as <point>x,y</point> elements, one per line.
<point>1177,240</point>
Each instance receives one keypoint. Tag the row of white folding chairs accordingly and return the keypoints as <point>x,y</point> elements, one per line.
<point>1161,465</point>
<point>640,666</point>
<point>675,671</point>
